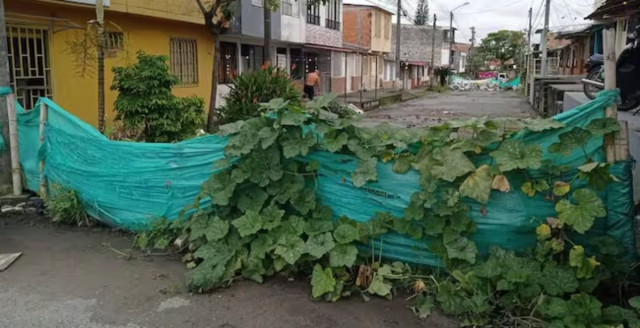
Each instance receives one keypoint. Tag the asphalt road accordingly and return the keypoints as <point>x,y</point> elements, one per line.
<point>436,107</point>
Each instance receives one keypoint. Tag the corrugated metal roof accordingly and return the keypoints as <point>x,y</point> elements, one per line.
<point>616,8</point>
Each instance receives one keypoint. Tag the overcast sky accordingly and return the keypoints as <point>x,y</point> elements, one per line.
<point>491,15</point>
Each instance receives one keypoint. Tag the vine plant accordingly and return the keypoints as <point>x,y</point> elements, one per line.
<point>265,218</point>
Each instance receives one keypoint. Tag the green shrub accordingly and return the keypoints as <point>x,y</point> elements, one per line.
<point>146,106</point>
<point>250,89</point>
<point>64,206</point>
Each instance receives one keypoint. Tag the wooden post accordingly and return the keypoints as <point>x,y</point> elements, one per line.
<point>43,121</point>
<point>610,84</point>
<point>16,172</point>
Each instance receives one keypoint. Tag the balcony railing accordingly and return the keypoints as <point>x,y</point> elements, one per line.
<point>313,19</point>
<point>334,25</point>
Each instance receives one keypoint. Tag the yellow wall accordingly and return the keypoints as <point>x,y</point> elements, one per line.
<point>79,94</point>
<point>381,43</point>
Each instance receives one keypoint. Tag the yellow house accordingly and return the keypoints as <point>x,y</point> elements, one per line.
<point>45,48</point>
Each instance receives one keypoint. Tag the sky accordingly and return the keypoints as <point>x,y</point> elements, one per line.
<point>492,15</point>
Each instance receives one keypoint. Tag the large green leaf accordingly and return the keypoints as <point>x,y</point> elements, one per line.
<point>366,171</point>
<point>478,185</point>
<point>248,224</point>
<point>596,174</point>
<point>402,163</point>
<point>220,188</point>
<point>537,124</point>
<point>267,136</point>
<point>452,163</point>
<point>343,255</point>
<point>334,141</point>
<point>515,154</point>
<point>581,216</point>
<point>293,118</point>
<point>261,245</point>
<point>205,277</point>
<point>251,198</point>
<point>216,229</point>
<point>322,281</point>
<point>557,281</point>
<point>290,248</point>
<point>294,143</point>
<point>463,249</point>
<point>346,233</point>
<point>554,307</point>
<point>585,266</point>
<point>316,226</point>
<point>379,286</point>
<point>423,305</point>
<point>576,138</point>
<point>305,201</point>
<point>320,244</point>
<point>603,126</point>
<point>271,217</point>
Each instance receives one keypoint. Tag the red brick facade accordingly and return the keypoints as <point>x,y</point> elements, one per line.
<point>357,26</point>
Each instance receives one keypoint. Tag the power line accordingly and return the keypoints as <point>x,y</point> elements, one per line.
<point>489,10</point>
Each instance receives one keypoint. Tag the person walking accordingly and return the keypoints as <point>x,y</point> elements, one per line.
<point>311,82</point>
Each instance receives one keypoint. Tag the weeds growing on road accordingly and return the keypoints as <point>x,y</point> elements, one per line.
<point>266,219</point>
<point>64,206</point>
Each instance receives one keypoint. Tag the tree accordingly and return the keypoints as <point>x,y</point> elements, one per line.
<point>217,14</point>
<point>422,13</point>
<point>503,45</point>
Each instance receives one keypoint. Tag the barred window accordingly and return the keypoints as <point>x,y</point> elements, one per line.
<point>313,14</point>
<point>333,14</point>
<point>114,41</point>
<point>184,60</point>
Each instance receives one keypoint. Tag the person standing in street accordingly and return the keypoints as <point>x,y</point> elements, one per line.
<point>311,82</point>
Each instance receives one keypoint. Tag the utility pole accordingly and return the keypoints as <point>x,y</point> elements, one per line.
<point>543,39</point>
<point>398,28</point>
<point>473,37</point>
<point>451,37</point>
<point>266,13</point>
<point>5,157</point>
<point>433,50</point>
<point>529,30</point>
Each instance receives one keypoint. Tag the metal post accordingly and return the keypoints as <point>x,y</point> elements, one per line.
<point>398,29</point>
<point>16,172</point>
<point>543,40</point>
<point>346,76</point>
<point>529,30</point>
<point>5,158</point>
<point>361,76</point>
<point>376,92</point>
<point>610,84</point>
<point>100,50</point>
<point>43,121</point>
<point>433,50</point>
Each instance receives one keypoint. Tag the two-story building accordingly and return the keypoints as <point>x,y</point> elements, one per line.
<point>367,33</point>
<point>41,35</point>
<point>416,52</point>
<point>323,46</point>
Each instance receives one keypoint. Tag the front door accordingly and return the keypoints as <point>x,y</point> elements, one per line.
<point>29,63</point>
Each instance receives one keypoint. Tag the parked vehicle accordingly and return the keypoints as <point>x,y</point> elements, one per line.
<point>627,74</point>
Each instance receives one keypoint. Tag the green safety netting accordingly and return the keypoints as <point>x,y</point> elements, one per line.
<point>129,185</point>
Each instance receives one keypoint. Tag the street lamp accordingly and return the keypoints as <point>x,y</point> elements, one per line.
<point>451,34</point>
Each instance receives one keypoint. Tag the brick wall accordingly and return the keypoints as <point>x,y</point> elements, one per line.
<point>357,25</point>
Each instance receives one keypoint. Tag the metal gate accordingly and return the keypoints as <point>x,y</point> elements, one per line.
<point>29,63</point>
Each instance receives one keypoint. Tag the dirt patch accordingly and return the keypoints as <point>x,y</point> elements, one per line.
<point>72,277</point>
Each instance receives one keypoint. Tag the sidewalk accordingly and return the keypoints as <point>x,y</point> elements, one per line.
<point>367,97</point>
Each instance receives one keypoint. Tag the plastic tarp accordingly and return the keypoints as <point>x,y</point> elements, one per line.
<point>129,185</point>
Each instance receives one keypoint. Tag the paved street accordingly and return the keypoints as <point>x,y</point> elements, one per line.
<point>435,107</point>
<point>73,277</point>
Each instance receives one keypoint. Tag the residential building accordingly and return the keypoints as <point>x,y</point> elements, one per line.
<point>624,13</point>
<point>242,44</point>
<point>415,53</point>
<point>323,44</point>
<point>460,54</point>
<point>40,34</point>
<point>367,33</point>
